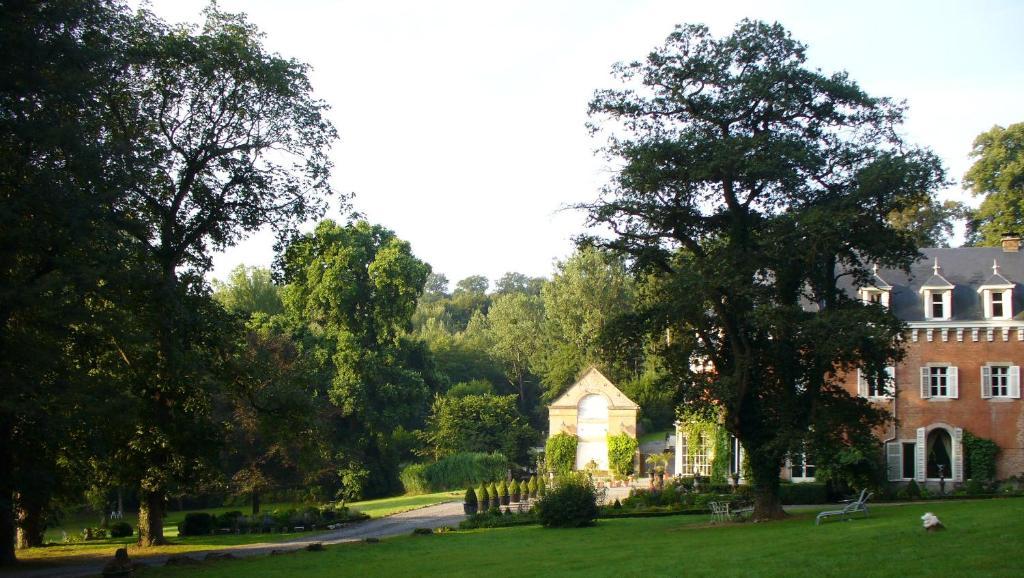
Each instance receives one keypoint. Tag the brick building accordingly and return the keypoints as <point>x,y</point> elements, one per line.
<point>965,346</point>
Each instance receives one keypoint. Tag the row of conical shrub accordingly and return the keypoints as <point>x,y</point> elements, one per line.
<point>503,493</point>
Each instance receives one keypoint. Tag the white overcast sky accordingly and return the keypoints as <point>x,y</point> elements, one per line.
<point>462,123</point>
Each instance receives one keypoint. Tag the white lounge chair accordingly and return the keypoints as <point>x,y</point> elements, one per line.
<point>859,505</point>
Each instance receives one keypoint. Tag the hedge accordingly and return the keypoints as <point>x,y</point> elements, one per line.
<point>806,493</point>
<point>453,472</point>
<point>621,451</point>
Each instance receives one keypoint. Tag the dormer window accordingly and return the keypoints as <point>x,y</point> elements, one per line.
<point>938,296</point>
<point>997,295</point>
<point>877,292</point>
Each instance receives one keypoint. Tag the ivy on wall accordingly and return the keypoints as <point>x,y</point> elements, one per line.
<point>560,453</point>
<point>621,449</point>
<point>980,454</point>
<point>693,425</point>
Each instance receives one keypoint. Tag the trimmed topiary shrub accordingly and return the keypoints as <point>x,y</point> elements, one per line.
<point>621,450</point>
<point>542,488</point>
<point>471,505</point>
<point>485,498</point>
<point>571,504</point>
<point>121,530</point>
<point>495,496</point>
<point>531,486</point>
<point>515,492</point>
<point>503,493</point>
<point>196,524</point>
<point>560,453</point>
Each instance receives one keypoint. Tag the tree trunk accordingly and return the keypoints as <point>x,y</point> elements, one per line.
<point>255,503</point>
<point>120,503</point>
<point>30,526</point>
<point>151,519</point>
<point>765,471</point>
<point>7,525</point>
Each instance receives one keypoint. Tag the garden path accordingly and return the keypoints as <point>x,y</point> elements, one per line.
<point>447,514</point>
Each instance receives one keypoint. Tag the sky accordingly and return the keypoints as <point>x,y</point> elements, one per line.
<point>462,123</point>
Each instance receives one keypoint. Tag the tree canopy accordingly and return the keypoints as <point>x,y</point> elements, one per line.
<point>750,186</point>
<point>998,175</point>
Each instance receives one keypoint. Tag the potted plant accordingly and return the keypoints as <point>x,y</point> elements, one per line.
<point>495,496</point>
<point>531,487</point>
<point>516,492</point>
<point>503,493</point>
<point>470,505</point>
<point>485,498</point>
<point>542,489</point>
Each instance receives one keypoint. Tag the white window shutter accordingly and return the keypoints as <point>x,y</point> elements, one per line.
<point>1015,381</point>
<point>958,455</point>
<point>952,382</point>
<point>986,382</point>
<point>926,390</point>
<point>894,460</point>
<point>919,456</point>
<point>862,384</point>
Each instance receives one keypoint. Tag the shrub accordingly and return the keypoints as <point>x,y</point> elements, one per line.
<point>471,498</point>
<point>490,520</point>
<point>808,493</point>
<point>560,453</point>
<point>485,498</point>
<point>503,493</point>
<point>531,486</point>
<point>621,450</point>
<point>196,524</point>
<point>120,530</point>
<point>515,492</point>
<point>542,488</point>
<point>571,504</point>
<point>229,519</point>
<point>455,471</point>
<point>495,496</point>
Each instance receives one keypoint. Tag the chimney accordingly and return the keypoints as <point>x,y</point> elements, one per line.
<point>1011,242</point>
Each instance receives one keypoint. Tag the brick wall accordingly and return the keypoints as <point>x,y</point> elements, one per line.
<point>1000,420</point>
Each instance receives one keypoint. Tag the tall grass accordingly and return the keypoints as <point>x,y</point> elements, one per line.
<point>454,472</point>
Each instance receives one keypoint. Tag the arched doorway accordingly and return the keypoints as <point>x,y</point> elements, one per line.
<point>939,452</point>
<point>592,430</point>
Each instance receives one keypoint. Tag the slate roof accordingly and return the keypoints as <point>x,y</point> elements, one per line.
<point>967,269</point>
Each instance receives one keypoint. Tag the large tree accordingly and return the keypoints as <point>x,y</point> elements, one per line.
<point>998,174</point>
<point>59,254</point>
<point>355,287</point>
<point>223,137</point>
<point>751,188</point>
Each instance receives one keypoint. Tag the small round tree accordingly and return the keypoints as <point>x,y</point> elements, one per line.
<point>571,504</point>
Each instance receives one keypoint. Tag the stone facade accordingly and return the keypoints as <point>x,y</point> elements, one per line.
<point>592,409</point>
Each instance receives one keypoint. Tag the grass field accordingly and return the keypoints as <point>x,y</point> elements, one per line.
<point>980,541</point>
<point>73,553</point>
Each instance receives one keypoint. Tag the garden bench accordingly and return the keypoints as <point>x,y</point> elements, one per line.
<point>719,511</point>
<point>859,505</point>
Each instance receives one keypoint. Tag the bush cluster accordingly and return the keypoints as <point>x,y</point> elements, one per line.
<point>560,453</point>
<point>495,519</point>
<point>622,449</point>
<point>120,530</point>
<point>572,503</point>
<point>452,472</point>
<point>309,518</point>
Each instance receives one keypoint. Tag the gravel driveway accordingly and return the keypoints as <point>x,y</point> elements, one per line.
<point>447,514</point>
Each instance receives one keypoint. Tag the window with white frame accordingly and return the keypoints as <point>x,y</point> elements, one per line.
<point>870,295</point>
<point>800,467</point>
<point>938,306</point>
<point>868,387</point>
<point>939,381</point>
<point>1000,380</point>
<point>701,457</point>
<point>997,303</point>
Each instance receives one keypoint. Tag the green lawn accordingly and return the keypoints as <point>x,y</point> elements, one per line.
<point>72,553</point>
<point>656,436</point>
<point>980,541</point>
